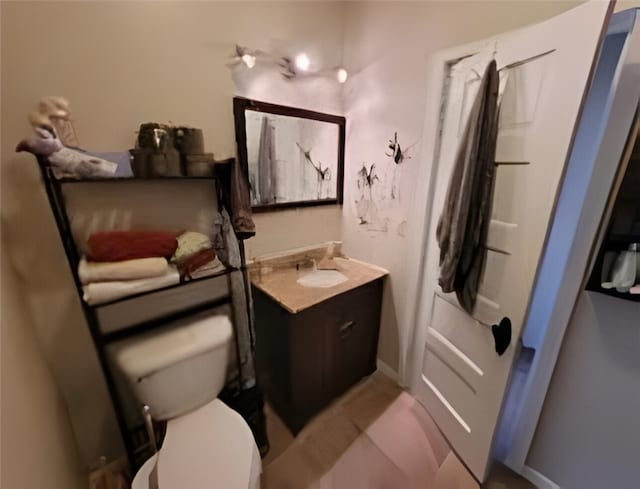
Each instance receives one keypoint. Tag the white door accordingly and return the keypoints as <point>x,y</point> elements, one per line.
<point>456,373</point>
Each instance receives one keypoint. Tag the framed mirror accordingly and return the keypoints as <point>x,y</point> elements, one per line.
<point>292,157</point>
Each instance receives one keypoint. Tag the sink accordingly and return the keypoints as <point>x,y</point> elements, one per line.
<point>322,279</point>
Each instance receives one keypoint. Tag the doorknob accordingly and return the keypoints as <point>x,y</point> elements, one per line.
<point>502,335</point>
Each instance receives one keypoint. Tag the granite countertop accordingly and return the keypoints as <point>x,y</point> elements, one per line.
<point>281,283</point>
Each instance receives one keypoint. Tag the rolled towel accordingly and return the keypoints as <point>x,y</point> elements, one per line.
<point>121,270</point>
<point>129,245</point>
<point>200,264</point>
<point>101,292</point>
<point>189,244</point>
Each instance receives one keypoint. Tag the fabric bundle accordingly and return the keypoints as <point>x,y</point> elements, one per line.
<point>121,270</point>
<point>123,263</point>
<point>101,292</point>
<point>195,256</point>
<point>464,222</point>
<point>129,245</point>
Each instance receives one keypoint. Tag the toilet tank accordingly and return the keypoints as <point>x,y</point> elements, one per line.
<point>180,368</point>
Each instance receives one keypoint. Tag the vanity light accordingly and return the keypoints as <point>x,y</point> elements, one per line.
<point>249,60</point>
<point>303,62</point>
<point>289,68</point>
<point>342,75</point>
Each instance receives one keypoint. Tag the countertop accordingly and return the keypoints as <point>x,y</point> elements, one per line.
<point>281,283</point>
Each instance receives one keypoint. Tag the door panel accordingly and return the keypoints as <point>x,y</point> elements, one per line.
<point>457,374</point>
<point>522,92</point>
<point>460,330</point>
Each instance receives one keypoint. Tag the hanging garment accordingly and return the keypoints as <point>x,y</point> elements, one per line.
<point>266,164</point>
<point>236,197</point>
<point>225,241</point>
<point>465,217</point>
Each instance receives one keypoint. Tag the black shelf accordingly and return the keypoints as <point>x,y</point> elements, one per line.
<point>135,329</point>
<point>129,179</point>
<point>134,440</point>
<point>621,227</point>
<point>623,238</point>
<point>615,293</point>
<point>138,313</point>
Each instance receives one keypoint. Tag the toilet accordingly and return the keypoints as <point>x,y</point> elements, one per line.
<point>178,373</point>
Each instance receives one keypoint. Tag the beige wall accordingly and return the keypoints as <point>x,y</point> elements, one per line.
<point>386,45</point>
<point>120,64</point>
<point>37,446</point>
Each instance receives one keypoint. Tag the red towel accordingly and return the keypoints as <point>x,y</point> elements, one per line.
<point>128,245</point>
<point>195,261</point>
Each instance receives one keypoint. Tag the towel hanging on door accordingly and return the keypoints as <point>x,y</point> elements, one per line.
<point>464,222</point>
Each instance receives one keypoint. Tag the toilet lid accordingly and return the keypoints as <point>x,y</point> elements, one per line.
<point>209,448</point>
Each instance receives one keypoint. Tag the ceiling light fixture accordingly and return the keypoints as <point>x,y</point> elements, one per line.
<point>303,62</point>
<point>289,68</point>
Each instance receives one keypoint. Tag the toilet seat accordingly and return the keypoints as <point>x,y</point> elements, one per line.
<point>209,448</point>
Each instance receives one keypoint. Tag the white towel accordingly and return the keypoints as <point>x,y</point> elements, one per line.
<point>101,292</point>
<point>121,270</point>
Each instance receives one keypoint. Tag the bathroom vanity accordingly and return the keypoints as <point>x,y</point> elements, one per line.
<point>316,331</point>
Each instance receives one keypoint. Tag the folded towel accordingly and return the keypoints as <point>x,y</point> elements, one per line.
<point>121,270</point>
<point>101,292</point>
<point>201,264</point>
<point>211,268</point>
<point>189,244</point>
<point>129,245</point>
<point>195,261</point>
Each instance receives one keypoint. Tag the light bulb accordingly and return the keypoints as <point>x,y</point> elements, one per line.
<point>249,60</point>
<point>303,62</point>
<point>342,75</point>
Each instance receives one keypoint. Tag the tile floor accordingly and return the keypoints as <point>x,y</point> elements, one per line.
<point>375,436</point>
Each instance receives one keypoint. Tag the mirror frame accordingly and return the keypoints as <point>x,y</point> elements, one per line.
<point>241,104</point>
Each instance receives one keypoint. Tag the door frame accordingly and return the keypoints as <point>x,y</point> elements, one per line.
<point>604,142</point>
<point>419,221</point>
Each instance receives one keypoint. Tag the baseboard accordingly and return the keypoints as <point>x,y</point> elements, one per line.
<point>387,370</point>
<point>537,479</point>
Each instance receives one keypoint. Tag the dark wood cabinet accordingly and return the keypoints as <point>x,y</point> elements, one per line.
<point>307,359</point>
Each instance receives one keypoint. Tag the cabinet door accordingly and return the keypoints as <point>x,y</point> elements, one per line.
<point>309,377</point>
<point>352,336</point>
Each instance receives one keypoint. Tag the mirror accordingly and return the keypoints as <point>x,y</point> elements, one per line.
<point>292,157</point>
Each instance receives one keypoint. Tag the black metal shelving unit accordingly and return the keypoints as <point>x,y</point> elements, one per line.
<point>135,439</point>
<point>622,223</point>
<point>611,243</point>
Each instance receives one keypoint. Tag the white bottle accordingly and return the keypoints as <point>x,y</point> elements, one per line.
<point>623,276</point>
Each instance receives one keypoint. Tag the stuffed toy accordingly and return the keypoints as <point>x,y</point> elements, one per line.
<point>65,162</point>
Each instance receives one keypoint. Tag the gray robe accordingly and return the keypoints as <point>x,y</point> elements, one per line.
<point>464,222</point>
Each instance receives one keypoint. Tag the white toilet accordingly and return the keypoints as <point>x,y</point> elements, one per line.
<point>178,373</point>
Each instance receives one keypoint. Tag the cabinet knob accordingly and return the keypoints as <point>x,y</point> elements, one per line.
<point>346,328</point>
